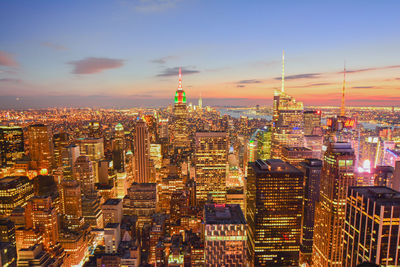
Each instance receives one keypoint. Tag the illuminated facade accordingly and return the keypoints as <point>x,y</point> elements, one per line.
<point>312,120</point>
<point>83,173</point>
<point>372,227</point>
<point>312,180</point>
<point>383,176</point>
<point>142,153</point>
<point>40,146</point>
<point>337,175</point>
<point>288,120</point>
<point>14,191</point>
<point>274,198</point>
<point>118,148</point>
<point>60,142</point>
<point>295,155</point>
<point>72,204</point>
<point>180,125</point>
<point>224,235</point>
<point>211,157</point>
<point>11,145</point>
<point>141,201</point>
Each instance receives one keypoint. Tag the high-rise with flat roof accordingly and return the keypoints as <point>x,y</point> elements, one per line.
<point>11,145</point>
<point>142,152</point>
<point>211,159</point>
<point>372,226</point>
<point>337,175</point>
<point>224,235</point>
<point>312,180</point>
<point>274,198</point>
<point>40,146</point>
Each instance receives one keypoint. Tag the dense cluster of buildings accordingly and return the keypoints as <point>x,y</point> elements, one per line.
<point>185,186</point>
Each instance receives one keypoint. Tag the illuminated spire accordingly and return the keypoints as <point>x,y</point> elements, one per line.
<point>180,79</point>
<point>180,95</point>
<point>283,71</point>
<point>343,108</point>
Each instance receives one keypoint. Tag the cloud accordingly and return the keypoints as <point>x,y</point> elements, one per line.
<point>249,81</point>
<point>174,72</point>
<point>7,60</point>
<point>150,6</point>
<point>372,69</point>
<point>54,46</point>
<point>240,85</point>
<point>363,87</point>
<point>92,65</point>
<point>10,80</point>
<point>162,60</point>
<point>300,76</point>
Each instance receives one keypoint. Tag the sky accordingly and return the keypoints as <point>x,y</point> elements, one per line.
<point>122,54</point>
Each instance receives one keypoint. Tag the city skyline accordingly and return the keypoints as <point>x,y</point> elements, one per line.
<point>127,54</point>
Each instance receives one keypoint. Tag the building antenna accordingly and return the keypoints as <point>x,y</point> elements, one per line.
<point>343,107</point>
<point>283,71</point>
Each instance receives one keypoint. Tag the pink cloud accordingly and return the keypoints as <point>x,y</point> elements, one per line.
<point>92,65</point>
<point>7,60</point>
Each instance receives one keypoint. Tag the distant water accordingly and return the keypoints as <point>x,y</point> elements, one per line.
<point>248,113</point>
<point>251,114</point>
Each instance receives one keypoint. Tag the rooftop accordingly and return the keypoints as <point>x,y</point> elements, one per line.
<point>112,201</point>
<point>223,214</point>
<point>274,165</point>
<point>381,194</point>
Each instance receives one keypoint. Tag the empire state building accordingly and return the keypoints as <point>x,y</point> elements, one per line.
<point>180,127</point>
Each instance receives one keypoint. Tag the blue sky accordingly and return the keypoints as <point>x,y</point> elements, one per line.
<point>126,53</point>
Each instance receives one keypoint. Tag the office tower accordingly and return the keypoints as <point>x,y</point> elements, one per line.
<point>71,204</point>
<point>91,211</point>
<point>84,174</point>
<point>315,143</point>
<point>94,129</point>
<point>383,176</point>
<point>312,180</point>
<point>11,145</point>
<point>337,175</point>
<point>141,201</point>
<point>14,191</point>
<point>312,120</point>
<point>92,147</point>
<point>112,237</point>
<point>103,172</point>
<point>168,185</point>
<point>211,158</point>
<point>155,155</point>
<point>224,235</point>
<point>36,256</point>
<point>41,216</point>
<point>274,199</point>
<point>112,211</point>
<point>60,143</point>
<point>372,227</point>
<point>288,121</point>
<point>69,156</point>
<point>163,128</point>
<point>180,128</point>
<point>295,155</point>
<point>8,250</point>
<point>200,104</point>
<point>118,148</point>
<point>142,153</point>
<point>264,136</point>
<point>40,146</point>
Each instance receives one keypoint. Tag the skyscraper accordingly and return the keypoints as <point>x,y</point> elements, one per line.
<point>180,127</point>
<point>118,148</point>
<point>337,175</point>
<point>312,120</point>
<point>372,226</point>
<point>60,143</point>
<point>72,204</point>
<point>84,174</point>
<point>288,121</point>
<point>14,191</point>
<point>224,235</point>
<point>274,196</point>
<point>142,153</point>
<point>40,146</point>
<point>11,145</point>
<point>211,158</point>
<point>312,179</point>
